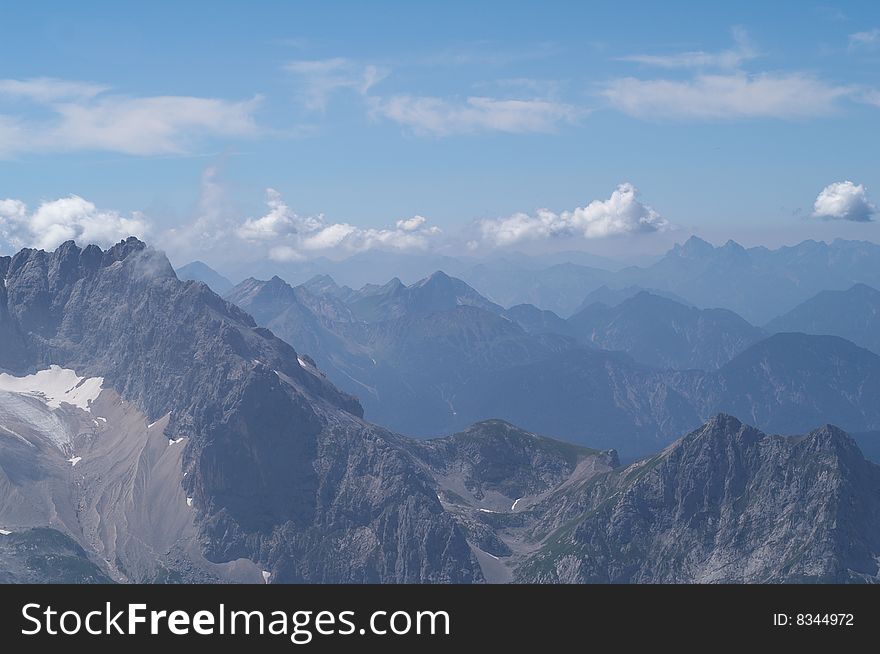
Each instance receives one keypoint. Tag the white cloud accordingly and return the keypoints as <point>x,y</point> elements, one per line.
<point>719,97</point>
<point>278,222</point>
<point>154,125</point>
<point>49,89</point>
<point>411,224</point>
<point>844,201</point>
<point>440,117</point>
<point>70,218</point>
<point>75,116</point>
<point>868,40</point>
<point>323,77</point>
<point>622,213</point>
<point>290,236</point>
<point>731,58</point>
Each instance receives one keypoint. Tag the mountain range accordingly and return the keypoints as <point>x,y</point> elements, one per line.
<point>757,283</point>
<point>151,431</point>
<point>434,357</point>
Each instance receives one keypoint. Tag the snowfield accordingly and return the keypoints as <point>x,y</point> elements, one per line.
<point>55,386</point>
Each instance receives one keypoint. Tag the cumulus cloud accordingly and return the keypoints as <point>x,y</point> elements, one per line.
<point>742,51</point>
<point>622,213</point>
<point>321,78</point>
<point>868,40</point>
<point>440,117</point>
<point>728,96</point>
<point>74,116</point>
<point>56,221</point>
<point>844,201</point>
<point>290,236</point>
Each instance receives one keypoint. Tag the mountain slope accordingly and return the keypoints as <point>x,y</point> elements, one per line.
<point>259,463</point>
<point>853,314</point>
<point>665,334</point>
<point>788,382</point>
<point>726,503</point>
<point>202,272</point>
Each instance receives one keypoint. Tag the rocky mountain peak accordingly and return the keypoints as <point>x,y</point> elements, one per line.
<point>693,247</point>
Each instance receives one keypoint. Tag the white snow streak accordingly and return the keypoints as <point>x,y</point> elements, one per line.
<point>266,575</point>
<point>515,502</point>
<point>175,441</point>
<point>189,501</point>
<point>4,532</point>
<point>74,460</point>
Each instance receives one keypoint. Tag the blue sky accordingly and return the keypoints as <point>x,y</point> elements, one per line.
<point>459,127</point>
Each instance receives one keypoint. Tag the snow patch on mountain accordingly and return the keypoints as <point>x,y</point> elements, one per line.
<point>55,386</point>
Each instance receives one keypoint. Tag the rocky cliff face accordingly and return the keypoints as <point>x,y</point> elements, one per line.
<point>278,467</point>
<point>726,503</point>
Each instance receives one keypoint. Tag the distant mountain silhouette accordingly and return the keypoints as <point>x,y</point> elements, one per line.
<point>664,333</point>
<point>613,297</point>
<point>202,272</point>
<point>853,314</point>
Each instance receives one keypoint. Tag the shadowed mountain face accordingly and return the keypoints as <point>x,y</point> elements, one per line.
<point>44,555</point>
<point>665,334</point>
<point>264,465</point>
<point>853,314</point>
<point>725,504</point>
<point>790,381</point>
<point>407,365</point>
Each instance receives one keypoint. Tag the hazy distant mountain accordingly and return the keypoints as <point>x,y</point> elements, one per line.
<point>758,283</point>
<point>724,504</point>
<point>664,333</point>
<point>790,381</point>
<point>201,272</point>
<point>422,363</point>
<point>614,296</point>
<point>538,321</point>
<point>545,260</point>
<point>592,397</point>
<point>559,288</point>
<point>326,285</point>
<point>438,292</point>
<point>853,314</point>
<point>428,373</point>
<point>404,351</point>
